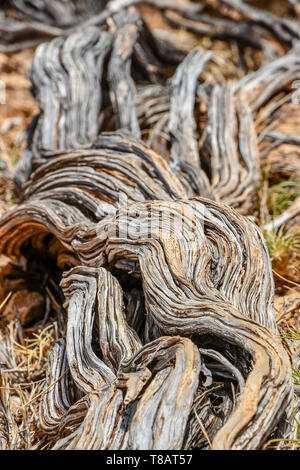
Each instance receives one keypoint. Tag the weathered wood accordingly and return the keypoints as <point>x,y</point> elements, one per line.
<point>225,30</point>
<point>184,154</point>
<point>230,149</point>
<point>259,87</point>
<point>284,30</point>
<point>58,13</point>
<point>199,305</point>
<point>168,287</point>
<point>122,85</point>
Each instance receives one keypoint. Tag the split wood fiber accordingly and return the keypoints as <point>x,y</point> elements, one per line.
<point>144,207</point>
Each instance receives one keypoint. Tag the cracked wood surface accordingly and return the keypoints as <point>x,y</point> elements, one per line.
<point>142,200</point>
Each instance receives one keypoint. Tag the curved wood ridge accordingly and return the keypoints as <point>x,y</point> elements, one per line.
<point>138,180</point>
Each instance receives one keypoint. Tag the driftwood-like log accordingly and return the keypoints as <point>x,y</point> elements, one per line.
<point>56,12</point>
<point>58,399</point>
<point>44,19</point>
<point>284,30</point>
<point>122,85</point>
<point>261,86</point>
<point>68,76</point>
<point>184,153</point>
<point>70,105</point>
<point>185,260</point>
<point>225,30</point>
<point>232,162</point>
<point>136,182</point>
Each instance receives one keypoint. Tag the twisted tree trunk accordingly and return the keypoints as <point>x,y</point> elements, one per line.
<point>167,283</point>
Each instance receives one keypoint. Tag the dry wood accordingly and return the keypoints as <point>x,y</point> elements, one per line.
<point>136,183</point>
<point>284,30</point>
